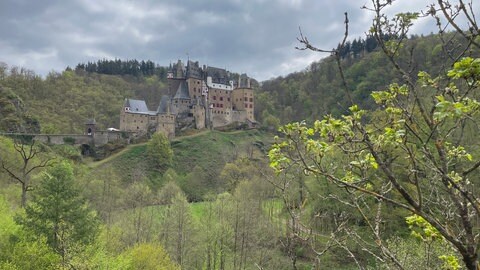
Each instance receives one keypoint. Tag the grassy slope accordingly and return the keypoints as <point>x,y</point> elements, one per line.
<point>209,150</point>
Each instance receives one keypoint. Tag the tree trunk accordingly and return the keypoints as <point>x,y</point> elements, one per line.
<point>471,261</point>
<point>24,194</point>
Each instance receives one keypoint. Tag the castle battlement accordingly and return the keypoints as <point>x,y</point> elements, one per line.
<point>200,97</point>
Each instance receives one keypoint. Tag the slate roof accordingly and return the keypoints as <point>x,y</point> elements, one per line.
<point>179,70</point>
<point>243,81</point>
<point>91,122</point>
<point>164,103</point>
<point>138,106</point>
<point>219,75</point>
<point>182,91</point>
<point>194,70</point>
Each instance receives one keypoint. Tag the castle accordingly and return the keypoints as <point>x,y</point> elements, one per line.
<point>199,97</point>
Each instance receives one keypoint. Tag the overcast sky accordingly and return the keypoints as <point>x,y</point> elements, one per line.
<point>257,37</point>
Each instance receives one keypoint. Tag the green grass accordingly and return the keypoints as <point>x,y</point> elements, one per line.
<point>211,150</point>
<point>198,210</point>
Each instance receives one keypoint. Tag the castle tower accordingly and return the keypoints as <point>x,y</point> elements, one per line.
<point>90,126</point>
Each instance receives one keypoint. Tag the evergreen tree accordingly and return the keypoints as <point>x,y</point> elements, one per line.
<point>59,213</point>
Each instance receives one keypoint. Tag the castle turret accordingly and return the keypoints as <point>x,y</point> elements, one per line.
<point>90,126</point>
<point>180,70</point>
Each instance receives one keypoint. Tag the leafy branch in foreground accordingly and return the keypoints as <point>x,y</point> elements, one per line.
<point>416,153</point>
<point>425,165</point>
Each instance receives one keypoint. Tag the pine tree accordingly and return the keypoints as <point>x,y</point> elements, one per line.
<point>59,213</point>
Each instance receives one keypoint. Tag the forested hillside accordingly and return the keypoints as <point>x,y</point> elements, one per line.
<point>319,90</point>
<point>62,102</point>
<point>382,174</point>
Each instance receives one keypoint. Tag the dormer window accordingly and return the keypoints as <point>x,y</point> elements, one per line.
<point>127,109</point>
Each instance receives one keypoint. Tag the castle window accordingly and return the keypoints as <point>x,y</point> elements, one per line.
<point>245,99</point>
<point>214,98</point>
<point>221,98</point>
<point>134,121</point>
<point>228,99</point>
<point>251,99</point>
<point>251,106</point>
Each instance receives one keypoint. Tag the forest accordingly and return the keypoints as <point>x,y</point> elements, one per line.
<point>366,159</point>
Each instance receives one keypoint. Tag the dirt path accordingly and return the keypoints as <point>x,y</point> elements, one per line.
<point>96,164</point>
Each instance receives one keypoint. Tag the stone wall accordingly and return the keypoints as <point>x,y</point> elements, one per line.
<point>242,99</point>
<point>194,88</point>
<point>239,116</point>
<point>136,121</point>
<point>64,138</point>
<point>199,115</point>
<point>104,137</point>
<point>99,138</point>
<point>166,125</point>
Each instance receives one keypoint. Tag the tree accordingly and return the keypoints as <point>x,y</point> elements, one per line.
<point>13,115</point>
<point>216,232</point>
<point>140,221</point>
<point>176,230</point>
<point>16,251</point>
<point>58,213</point>
<point>159,152</point>
<point>150,257</point>
<point>28,150</point>
<point>416,151</point>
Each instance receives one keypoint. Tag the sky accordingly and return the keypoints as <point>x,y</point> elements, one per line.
<point>257,37</point>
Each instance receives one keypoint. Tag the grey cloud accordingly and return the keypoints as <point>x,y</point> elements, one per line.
<point>253,36</point>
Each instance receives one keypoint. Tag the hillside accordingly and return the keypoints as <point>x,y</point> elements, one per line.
<point>197,161</point>
<point>318,90</point>
<point>61,102</point>
<point>372,189</point>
